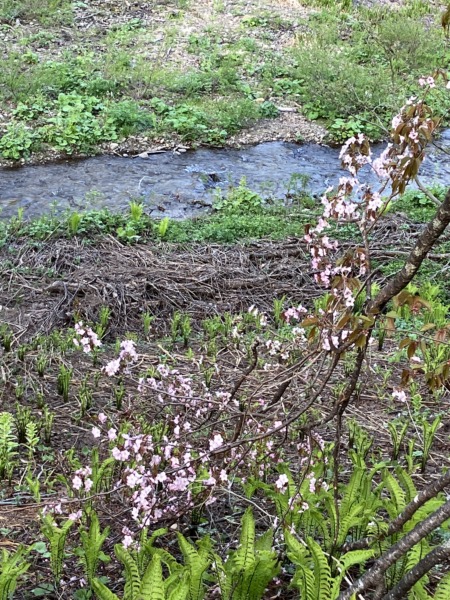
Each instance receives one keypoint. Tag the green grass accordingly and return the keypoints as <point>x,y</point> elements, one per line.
<point>351,67</point>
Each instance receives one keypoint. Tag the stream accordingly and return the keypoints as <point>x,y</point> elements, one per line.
<point>184,185</point>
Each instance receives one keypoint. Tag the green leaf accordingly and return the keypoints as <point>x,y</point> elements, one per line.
<point>152,586</point>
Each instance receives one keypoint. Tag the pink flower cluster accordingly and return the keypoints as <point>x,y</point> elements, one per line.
<point>85,338</point>
<point>127,356</point>
<point>82,480</point>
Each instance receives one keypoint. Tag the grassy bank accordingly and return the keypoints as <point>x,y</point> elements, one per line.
<point>77,76</point>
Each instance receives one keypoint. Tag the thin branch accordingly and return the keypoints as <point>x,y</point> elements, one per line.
<point>426,191</point>
<point>426,240</point>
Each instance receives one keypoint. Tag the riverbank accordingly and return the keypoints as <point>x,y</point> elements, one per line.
<point>121,78</point>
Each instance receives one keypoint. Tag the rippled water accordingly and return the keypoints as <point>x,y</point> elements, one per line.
<point>180,185</point>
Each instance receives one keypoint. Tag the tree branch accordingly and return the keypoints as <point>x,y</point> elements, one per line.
<point>395,526</point>
<point>441,554</point>
<point>372,576</point>
<point>426,240</point>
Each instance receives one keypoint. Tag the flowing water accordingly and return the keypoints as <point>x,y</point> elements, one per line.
<point>182,185</point>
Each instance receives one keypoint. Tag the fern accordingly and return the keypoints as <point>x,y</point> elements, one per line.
<point>92,542</point>
<point>8,445</point>
<point>313,574</point>
<point>102,592</point>
<point>144,554</point>
<point>248,570</point>
<point>322,571</point>
<point>245,554</point>
<point>196,561</point>
<point>57,539</point>
<point>12,566</point>
<point>132,578</point>
<point>443,589</point>
<point>152,586</point>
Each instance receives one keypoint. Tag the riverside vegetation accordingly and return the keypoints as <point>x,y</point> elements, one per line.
<point>78,76</point>
<point>265,418</point>
<point>257,420</point>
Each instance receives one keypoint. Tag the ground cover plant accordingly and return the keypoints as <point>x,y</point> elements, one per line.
<point>87,77</point>
<point>247,421</point>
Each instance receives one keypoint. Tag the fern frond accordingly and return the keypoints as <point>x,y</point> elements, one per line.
<point>102,592</point>
<point>170,562</point>
<point>92,542</point>
<point>398,498</point>
<point>180,592</point>
<point>11,568</point>
<point>322,572</point>
<point>352,493</point>
<point>245,554</point>
<point>264,542</point>
<point>224,581</point>
<point>197,562</point>
<point>297,552</point>
<point>407,484</point>
<point>132,579</point>
<point>443,589</point>
<point>152,586</point>
<point>259,576</point>
<point>348,560</point>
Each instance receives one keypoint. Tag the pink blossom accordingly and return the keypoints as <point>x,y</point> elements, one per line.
<point>179,484</point>
<point>112,434</point>
<point>399,395</point>
<point>282,482</point>
<point>102,418</point>
<point>96,432</point>
<point>112,367</point>
<point>88,483</point>
<point>216,442</point>
<point>75,515</point>
<point>77,483</point>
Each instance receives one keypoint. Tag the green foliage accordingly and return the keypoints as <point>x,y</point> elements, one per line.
<point>151,586</point>
<point>239,200</point>
<point>12,566</point>
<point>92,541</point>
<point>248,570</point>
<point>8,445</point>
<point>45,11</point>
<point>18,140</point>
<point>313,576</point>
<point>57,538</point>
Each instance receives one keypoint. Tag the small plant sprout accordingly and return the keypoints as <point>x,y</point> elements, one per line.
<point>147,320</point>
<point>64,381</point>
<point>6,337</point>
<point>41,363</point>
<point>185,329</point>
<point>73,223</point>
<point>163,226</point>
<point>47,424</point>
<point>31,438</point>
<point>85,397</point>
<point>22,420</point>
<point>278,306</point>
<point>8,445</point>
<point>428,435</point>
<point>119,394</point>
<point>175,325</point>
<point>136,211</point>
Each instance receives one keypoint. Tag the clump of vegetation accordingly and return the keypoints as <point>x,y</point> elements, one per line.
<point>204,394</point>
<point>346,65</point>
